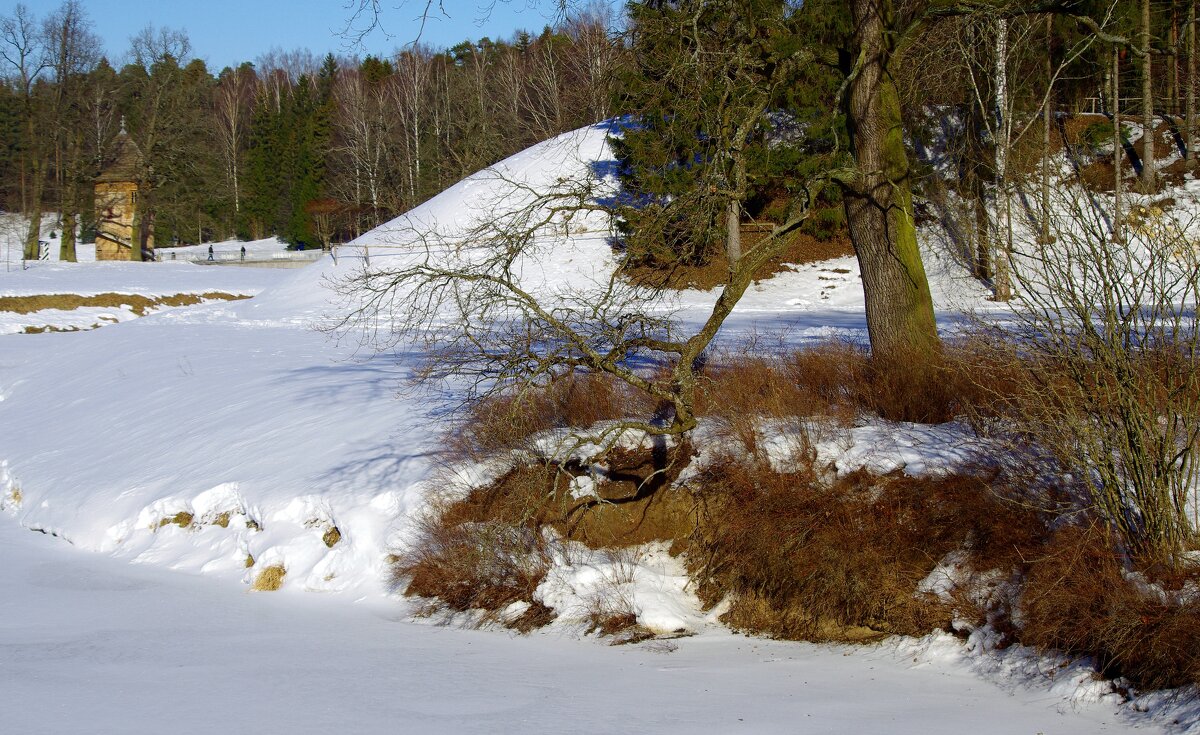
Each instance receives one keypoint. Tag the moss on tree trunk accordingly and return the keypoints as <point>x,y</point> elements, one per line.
<point>878,200</point>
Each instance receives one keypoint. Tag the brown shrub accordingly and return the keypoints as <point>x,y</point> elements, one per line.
<point>1077,599</point>
<point>498,423</point>
<point>842,380</point>
<point>474,566</point>
<point>842,562</point>
<point>487,550</point>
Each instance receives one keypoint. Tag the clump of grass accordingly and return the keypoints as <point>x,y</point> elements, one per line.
<point>536,615</point>
<point>842,381</point>
<point>222,519</point>
<point>183,519</point>
<point>15,497</point>
<point>474,565</point>
<point>249,561</point>
<point>270,578</point>
<point>331,537</point>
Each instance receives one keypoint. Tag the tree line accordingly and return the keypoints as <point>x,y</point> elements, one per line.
<point>310,149</point>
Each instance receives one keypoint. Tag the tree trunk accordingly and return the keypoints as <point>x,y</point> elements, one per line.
<point>1190,144</point>
<point>1173,63</point>
<point>733,232</point>
<point>980,164</point>
<point>1148,173</point>
<point>1046,121</point>
<point>138,228</point>
<point>1118,149</point>
<point>34,233</point>
<point>1001,288</point>
<point>66,251</point>
<point>879,211</point>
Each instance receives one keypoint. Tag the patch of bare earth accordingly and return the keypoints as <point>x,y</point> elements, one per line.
<point>137,303</point>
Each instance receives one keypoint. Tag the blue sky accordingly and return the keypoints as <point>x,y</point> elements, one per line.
<point>224,32</point>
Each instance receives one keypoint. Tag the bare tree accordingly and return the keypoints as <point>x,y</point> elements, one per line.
<point>364,126</point>
<point>162,53</point>
<point>1149,174</point>
<point>73,50</point>
<point>594,58</point>
<point>997,94</point>
<point>474,295</point>
<point>23,49</point>
<point>411,100</point>
<point>233,101</point>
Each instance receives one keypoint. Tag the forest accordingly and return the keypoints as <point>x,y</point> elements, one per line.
<point>312,149</point>
<point>319,149</point>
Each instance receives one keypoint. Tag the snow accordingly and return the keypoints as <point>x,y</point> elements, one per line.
<point>94,645</point>
<point>197,438</point>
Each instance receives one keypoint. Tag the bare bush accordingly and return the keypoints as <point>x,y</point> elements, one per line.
<point>1079,600</point>
<point>1109,340</point>
<point>475,566</point>
<point>493,323</point>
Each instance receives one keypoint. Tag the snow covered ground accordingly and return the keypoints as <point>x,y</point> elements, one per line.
<point>204,438</point>
<point>88,644</point>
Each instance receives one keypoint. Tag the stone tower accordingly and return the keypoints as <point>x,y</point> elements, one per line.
<point>117,201</point>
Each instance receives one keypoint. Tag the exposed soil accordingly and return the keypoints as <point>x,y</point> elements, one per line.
<point>634,502</point>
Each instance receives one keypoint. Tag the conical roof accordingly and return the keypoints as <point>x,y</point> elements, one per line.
<point>126,163</point>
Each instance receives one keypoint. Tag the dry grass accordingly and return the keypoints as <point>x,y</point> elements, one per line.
<point>270,578</point>
<point>805,556</point>
<point>488,550</point>
<point>1078,599</point>
<point>183,519</point>
<point>139,304</point>
<point>475,566</point>
<point>841,380</point>
<point>633,504</point>
<point>500,423</point>
<point>331,537</point>
<point>842,561</point>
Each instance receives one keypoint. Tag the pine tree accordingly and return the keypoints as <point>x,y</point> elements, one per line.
<point>712,130</point>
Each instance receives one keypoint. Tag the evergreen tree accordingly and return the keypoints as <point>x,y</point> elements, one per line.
<point>712,133</point>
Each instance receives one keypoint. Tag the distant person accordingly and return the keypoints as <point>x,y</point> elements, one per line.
<point>210,253</point>
<point>243,252</point>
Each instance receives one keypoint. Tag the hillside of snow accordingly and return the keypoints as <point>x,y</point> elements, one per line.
<point>225,439</point>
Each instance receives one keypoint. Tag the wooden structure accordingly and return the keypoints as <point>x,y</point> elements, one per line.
<point>117,202</point>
